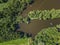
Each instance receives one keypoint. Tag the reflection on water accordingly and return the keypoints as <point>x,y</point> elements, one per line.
<point>36,25</point>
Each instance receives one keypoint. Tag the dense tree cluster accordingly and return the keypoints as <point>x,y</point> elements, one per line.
<point>48,36</point>
<point>8,19</point>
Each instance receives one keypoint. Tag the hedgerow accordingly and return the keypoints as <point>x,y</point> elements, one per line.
<point>44,14</point>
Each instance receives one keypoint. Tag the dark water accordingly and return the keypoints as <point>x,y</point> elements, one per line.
<point>36,25</point>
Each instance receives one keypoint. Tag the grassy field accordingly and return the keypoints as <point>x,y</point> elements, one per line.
<point>25,41</point>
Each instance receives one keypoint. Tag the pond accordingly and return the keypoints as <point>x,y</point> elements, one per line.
<point>36,25</point>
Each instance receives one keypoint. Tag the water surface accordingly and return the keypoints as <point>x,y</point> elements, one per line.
<point>36,25</point>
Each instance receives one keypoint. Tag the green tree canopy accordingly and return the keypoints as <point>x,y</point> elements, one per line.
<point>48,36</point>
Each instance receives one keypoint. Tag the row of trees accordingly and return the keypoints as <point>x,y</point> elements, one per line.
<point>44,15</point>
<point>48,36</point>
